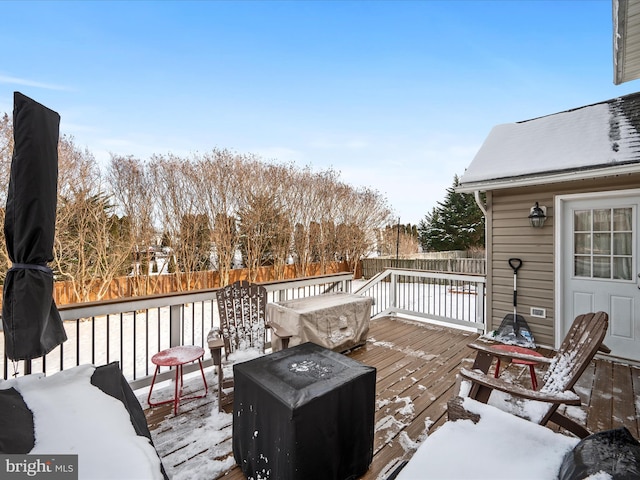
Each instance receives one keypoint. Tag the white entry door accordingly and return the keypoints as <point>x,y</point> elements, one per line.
<point>599,258</point>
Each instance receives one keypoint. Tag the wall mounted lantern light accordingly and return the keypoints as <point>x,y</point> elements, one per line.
<point>537,216</point>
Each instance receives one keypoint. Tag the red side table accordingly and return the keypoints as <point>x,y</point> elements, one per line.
<point>177,357</point>
<point>517,361</point>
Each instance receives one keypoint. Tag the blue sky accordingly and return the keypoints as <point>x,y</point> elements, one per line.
<point>397,96</point>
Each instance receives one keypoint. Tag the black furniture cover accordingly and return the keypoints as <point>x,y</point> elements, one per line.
<point>303,413</point>
<point>615,453</point>
<point>32,324</point>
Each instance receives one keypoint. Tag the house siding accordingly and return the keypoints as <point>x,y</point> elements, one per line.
<point>510,235</point>
<point>513,237</point>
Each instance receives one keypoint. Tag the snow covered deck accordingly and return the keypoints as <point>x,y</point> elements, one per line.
<point>416,367</point>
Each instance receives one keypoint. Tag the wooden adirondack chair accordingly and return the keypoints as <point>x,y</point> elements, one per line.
<point>578,348</point>
<point>242,333</point>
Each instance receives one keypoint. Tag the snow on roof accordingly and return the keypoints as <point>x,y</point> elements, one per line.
<point>595,136</point>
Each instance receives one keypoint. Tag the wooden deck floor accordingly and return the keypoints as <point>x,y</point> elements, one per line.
<point>416,367</point>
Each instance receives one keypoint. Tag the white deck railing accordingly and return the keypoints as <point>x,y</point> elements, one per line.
<point>131,331</point>
<point>457,299</point>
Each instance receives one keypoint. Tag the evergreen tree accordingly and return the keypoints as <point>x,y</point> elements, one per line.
<point>171,267</point>
<point>456,223</point>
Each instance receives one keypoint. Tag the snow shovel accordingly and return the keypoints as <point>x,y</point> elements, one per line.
<point>514,328</point>
<point>515,264</point>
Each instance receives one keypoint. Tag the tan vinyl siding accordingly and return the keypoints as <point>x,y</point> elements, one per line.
<point>513,237</point>
<point>510,235</point>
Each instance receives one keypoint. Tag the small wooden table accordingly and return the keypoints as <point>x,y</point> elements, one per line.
<point>517,361</point>
<point>177,357</point>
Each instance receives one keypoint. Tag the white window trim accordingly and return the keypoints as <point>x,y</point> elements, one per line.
<point>558,208</point>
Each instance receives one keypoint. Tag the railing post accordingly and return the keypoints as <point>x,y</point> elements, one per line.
<point>480,305</point>
<point>175,321</point>
<point>392,291</point>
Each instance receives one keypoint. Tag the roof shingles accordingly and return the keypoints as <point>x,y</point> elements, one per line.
<point>601,135</point>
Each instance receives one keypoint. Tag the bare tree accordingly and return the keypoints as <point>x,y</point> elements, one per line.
<point>92,243</point>
<point>218,188</point>
<point>258,230</point>
<point>333,201</point>
<point>286,199</point>
<point>181,213</point>
<point>397,240</point>
<point>322,210</point>
<point>316,253</point>
<point>134,197</point>
<point>362,212</point>
<point>6,151</point>
<point>305,205</point>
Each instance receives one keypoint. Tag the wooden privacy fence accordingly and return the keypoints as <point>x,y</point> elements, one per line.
<point>123,287</point>
<point>373,266</point>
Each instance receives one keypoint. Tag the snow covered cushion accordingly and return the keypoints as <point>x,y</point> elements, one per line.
<point>71,415</point>
<point>498,446</point>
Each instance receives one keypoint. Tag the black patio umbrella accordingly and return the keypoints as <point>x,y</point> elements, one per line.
<point>32,324</point>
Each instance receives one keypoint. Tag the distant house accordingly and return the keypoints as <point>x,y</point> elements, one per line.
<point>583,167</point>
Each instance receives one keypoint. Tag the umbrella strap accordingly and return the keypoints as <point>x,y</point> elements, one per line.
<point>31,266</point>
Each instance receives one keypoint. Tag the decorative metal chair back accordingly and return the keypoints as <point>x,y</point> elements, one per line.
<point>242,310</point>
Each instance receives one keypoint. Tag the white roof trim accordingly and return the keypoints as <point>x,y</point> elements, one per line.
<point>619,24</point>
<point>548,179</point>
<point>626,38</point>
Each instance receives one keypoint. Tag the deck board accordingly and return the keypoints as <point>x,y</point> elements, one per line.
<point>600,407</point>
<point>623,411</point>
<point>635,379</point>
<point>416,366</point>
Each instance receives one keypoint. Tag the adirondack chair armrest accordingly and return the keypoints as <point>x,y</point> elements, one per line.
<point>216,344</point>
<point>282,333</point>
<point>604,349</point>
<point>487,348</point>
<point>567,397</point>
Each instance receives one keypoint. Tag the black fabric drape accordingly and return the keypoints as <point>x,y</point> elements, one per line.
<point>32,324</point>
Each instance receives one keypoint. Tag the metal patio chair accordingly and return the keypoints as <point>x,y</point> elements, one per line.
<point>242,333</point>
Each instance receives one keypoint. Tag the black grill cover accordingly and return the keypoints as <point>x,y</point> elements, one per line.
<point>303,413</point>
<point>32,324</point>
<point>613,452</point>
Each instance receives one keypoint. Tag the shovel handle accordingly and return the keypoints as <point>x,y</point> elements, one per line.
<point>515,263</point>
